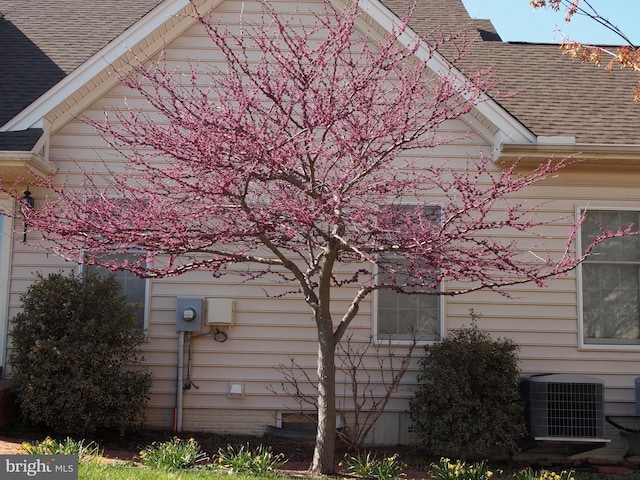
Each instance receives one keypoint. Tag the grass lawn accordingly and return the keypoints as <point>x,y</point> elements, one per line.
<point>97,471</point>
<point>116,471</point>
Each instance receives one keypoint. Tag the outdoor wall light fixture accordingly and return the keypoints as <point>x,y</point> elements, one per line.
<point>27,203</point>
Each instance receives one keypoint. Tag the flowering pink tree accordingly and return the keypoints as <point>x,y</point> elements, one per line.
<point>292,155</point>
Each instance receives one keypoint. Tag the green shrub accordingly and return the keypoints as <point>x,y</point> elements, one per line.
<point>259,462</point>
<point>73,344</point>
<point>370,466</point>
<point>172,455</point>
<point>468,399</point>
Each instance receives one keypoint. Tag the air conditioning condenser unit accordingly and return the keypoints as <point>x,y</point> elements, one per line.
<point>565,408</point>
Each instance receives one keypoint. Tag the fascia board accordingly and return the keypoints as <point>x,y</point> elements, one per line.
<point>511,130</point>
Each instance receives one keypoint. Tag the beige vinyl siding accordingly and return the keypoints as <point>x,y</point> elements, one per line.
<point>267,331</point>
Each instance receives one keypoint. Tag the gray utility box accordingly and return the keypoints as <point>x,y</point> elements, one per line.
<point>189,315</point>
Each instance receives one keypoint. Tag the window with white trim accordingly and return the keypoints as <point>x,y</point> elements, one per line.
<point>610,280</point>
<point>132,286</point>
<point>405,316</point>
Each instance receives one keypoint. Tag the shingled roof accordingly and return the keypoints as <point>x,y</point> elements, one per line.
<point>21,141</point>
<point>43,41</point>
<point>553,95</point>
<point>557,96</point>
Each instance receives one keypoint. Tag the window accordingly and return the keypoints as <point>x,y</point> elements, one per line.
<point>610,280</point>
<point>401,316</point>
<point>135,288</point>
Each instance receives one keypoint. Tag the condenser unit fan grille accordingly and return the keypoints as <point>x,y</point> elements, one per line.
<point>574,409</point>
<point>564,409</point>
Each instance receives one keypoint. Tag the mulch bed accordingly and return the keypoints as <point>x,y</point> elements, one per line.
<point>127,448</point>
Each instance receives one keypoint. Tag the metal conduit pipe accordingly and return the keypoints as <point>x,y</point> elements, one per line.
<point>177,423</point>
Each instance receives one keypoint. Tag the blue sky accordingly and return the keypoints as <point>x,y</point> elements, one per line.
<point>516,20</point>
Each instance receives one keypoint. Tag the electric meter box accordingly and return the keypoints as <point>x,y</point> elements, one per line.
<point>219,311</point>
<point>189,315</point>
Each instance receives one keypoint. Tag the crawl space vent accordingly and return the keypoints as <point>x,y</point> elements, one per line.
<point>565,407</point>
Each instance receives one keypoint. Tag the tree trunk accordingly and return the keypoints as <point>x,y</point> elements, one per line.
<point>324,451</point>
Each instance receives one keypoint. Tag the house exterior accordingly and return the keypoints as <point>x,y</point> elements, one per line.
<point>58,62</point>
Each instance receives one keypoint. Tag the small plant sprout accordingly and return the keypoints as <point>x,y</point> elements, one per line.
<point>172,455</point>
<point>370,466</point>
<point>260,461</point>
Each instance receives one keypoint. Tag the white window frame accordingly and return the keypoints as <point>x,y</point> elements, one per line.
<point>6,250</point>
<point>441,306</point>
<point>612,345</point>
<point>147,292</point>
<point>376,294</point>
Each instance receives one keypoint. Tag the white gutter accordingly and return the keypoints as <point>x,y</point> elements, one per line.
<point>587,154</point>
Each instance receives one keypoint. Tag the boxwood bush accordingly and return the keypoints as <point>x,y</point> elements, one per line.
<point>75,361</point>
<point>468,401</point>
